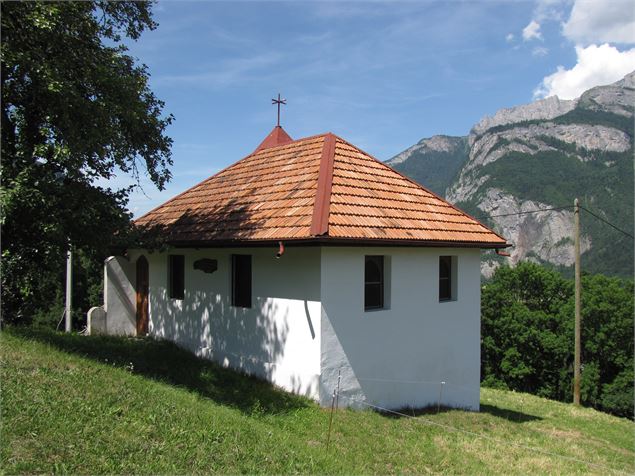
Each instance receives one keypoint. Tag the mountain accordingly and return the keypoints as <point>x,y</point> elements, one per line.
<point>539,156</point>
<point>434,162</point>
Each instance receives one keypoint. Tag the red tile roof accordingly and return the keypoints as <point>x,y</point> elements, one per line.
<point>278,136</point>
<point>319,188</point>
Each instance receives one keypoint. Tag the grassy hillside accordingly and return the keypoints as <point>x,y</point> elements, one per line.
<point>73,404</point>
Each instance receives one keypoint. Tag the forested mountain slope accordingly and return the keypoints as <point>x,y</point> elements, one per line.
<point>434,162</point>
<point>543,155</point>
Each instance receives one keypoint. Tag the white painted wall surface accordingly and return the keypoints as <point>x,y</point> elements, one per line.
<point>120,296</point>
<point>397,357</point>
<point>278,338</point>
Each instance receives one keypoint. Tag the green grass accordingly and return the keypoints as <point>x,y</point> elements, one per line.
<point>73,404</point>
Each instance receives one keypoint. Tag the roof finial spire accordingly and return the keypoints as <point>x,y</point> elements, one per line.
<point>278,102</point>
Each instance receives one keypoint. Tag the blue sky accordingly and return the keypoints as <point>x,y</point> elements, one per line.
<point>382,75</point>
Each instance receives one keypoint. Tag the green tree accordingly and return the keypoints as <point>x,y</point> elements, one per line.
<point>524,342</point>
<point>607,342</point>
<point>75,108</point>
<point>527,323</point>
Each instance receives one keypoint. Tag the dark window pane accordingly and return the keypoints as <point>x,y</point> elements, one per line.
<point>445,266</point>
<point>241,280</point>
<point>373,296</point>
<point>374,271</point>
<point>445,278</point>
<point>445,291</point>
<point>176,273</point>
<point>374,282</point>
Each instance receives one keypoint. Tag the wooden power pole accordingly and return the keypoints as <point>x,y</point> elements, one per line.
<point>69,289</point>
<point>576,370</point>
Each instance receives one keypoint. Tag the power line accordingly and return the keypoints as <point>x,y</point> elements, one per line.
<point>607,222</point>
<point>558,208</point>
<point>526,212</point>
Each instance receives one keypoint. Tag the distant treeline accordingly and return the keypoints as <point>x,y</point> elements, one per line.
<point>528,336</point>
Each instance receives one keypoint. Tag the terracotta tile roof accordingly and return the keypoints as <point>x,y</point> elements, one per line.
<point>319,188</point>
<point>278,136</point>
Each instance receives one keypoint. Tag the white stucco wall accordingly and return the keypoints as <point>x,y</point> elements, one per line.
<point>120,296</point>
<point>278,338</point>
<point>397,357</point>
<point>307,323</point>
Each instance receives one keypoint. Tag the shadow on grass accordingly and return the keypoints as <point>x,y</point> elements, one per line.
<point>510,415</point>
<point>166,362</point>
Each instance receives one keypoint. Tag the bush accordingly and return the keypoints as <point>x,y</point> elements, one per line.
<point>617,396</point>
<point>528,336</point>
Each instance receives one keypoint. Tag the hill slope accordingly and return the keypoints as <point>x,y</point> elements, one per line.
<point>113,405</point>
<point>543,155</point>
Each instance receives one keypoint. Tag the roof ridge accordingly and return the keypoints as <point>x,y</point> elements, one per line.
<point>321,208</point>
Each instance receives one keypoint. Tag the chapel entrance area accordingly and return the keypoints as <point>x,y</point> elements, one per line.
<point>143,280</point>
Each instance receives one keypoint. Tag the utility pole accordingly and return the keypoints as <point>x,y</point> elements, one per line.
<point>576,370</point>
<point>69,288</point>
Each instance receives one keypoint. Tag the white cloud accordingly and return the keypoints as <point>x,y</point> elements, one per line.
<point>596,65</point>
<point>594,21</point>
<point>509,38</point>
<point>540,51</point>
<point>549,10</point>
<point>532,31</point>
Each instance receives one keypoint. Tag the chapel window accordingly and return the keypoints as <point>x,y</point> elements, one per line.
<point>241,280</point>
<point>374,282</point>
<point>176,276</point>
<point>447,278</point>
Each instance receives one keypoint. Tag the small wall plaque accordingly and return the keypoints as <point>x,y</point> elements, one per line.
<point>206,265</point>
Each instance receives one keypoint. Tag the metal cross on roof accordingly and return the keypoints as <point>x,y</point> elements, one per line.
<point>278,102</point>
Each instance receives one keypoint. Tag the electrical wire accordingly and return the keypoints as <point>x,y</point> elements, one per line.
<point>559,208</point>
<point>480,435</point>
<point>607,222</point>
<point>525,213</point>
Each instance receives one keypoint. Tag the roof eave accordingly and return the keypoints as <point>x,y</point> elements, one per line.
<point>330,241</point>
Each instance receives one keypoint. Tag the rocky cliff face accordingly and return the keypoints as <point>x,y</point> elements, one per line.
<point>616,98</point>
<point>442,144</point>
<point>542,155</point>
<point>543,109</point>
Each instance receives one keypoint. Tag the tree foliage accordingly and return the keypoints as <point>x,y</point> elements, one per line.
<point>75,109</point>
<point>528,336</point>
